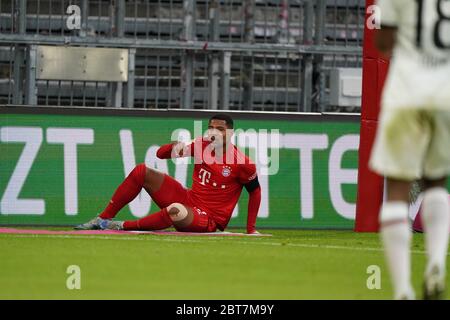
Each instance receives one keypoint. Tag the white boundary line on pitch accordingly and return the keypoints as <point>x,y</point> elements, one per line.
<point>301,245</point>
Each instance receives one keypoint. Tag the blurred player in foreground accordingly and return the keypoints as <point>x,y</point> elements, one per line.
<point>221,170</point>
<point>413,139</point>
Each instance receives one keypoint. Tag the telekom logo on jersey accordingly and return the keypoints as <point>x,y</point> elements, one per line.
<point>204,176</point>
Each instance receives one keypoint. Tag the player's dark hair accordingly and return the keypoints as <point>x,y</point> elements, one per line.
<point>224,117</point>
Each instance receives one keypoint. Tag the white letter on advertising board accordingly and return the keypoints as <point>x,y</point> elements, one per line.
<point>140,206</point>
<point>181,164</point>
<point>340,176</point>
<point>10,203</point>
<point>306,144</point>
<point>70,138</point>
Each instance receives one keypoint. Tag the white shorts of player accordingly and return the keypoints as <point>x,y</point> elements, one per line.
<point>412,144</point>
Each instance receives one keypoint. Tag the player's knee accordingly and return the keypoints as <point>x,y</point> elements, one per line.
<point>141,167</point>
<point>177,212</point>
<point>150,175</point>
<point>435,196</point>
<point>394,211</point>
<point>139,173</point>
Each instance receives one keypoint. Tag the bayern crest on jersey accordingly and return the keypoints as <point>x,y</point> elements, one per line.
<point>226,171</point>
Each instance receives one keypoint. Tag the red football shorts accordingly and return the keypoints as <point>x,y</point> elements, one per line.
<point>172,191</point>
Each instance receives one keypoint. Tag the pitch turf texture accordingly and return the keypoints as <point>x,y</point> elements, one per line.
<point>292,264</point>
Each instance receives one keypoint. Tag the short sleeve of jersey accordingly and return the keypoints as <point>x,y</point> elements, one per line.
<point>389,12</point>
<point>247,173</point>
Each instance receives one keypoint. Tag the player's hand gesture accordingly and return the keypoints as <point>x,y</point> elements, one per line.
<point>180,149</point>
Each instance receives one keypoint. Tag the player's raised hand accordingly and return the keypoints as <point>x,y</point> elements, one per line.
<point>180,149</point>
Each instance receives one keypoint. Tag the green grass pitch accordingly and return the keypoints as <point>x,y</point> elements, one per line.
<point>293,264</point>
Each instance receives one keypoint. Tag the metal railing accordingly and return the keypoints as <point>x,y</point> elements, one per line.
<point>272,55</point>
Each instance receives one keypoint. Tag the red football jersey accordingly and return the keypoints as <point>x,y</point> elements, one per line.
<point>217,180</point>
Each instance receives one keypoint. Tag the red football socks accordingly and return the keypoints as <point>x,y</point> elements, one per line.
<point>126,192</point>
<point>156,221</point>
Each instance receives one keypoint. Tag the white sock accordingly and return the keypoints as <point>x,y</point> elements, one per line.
<point>396,236</point>
<point>436,223</point>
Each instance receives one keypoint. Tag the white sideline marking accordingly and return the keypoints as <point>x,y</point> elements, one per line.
<point>300,245</point>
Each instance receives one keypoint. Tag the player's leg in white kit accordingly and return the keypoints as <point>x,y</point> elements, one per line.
<point>435,206</point>
<point>396,237</point>
<point>436,222</point>
<point>412,144</point>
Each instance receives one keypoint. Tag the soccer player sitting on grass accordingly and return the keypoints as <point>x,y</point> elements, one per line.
<point>221,170</point>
